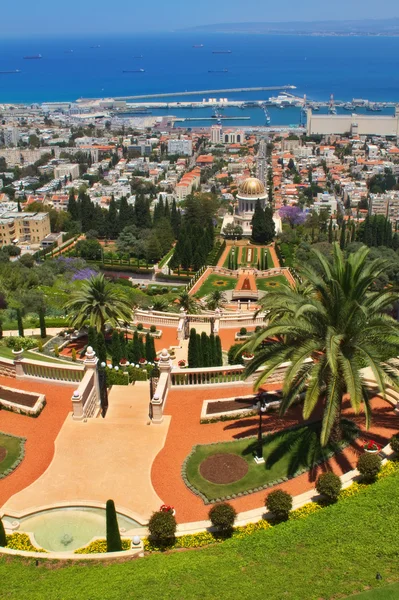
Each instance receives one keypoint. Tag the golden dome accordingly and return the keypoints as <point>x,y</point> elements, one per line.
<point>252,187</point>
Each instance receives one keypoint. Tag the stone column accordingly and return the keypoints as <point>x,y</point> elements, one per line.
<point>77,406</point>
<point>90,364</point>
<point>157,409</point>
<point>165,365</point>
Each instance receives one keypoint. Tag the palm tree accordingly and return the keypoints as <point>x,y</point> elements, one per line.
<point>187,302</point>
<point>98,302</point>
<point>329,327</point>
<point>216,299</point>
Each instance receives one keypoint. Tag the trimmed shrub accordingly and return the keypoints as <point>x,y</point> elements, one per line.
<point>279,503</point>
<point>114,543</point>
<point>73,355</point>
<point>243,331</point>
<point>153,328</point>
<point>223,516</point>
<point>3,539</point>
<point>369,465</point>
<point>40,346</point>
<point>56,351</point>
<point>329,485</point>
<point>162,527</point>
<point>395,442</point>
<point>140,326</point>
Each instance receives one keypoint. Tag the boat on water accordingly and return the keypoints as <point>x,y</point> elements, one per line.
<point>97,46</point>
<point>221,51</point>
<point>198,46</point>
<point>9,72</point>
<point>374,108</point>
<point>133,71</point>
<point>140,111</point>
<point>33,57</point>
<point>68,51</point>
<point>220,71</point>
<point>139,56</point>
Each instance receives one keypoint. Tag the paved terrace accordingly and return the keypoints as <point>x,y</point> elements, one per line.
<point>184,407</point>
<point>93,460</point>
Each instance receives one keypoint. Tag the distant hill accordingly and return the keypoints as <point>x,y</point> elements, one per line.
<point>358,27</point>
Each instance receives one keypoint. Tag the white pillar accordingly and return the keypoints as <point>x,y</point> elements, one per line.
<point>90,363</point>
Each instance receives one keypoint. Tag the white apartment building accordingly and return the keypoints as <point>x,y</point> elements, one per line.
<point>66,170</point>
<point>233,136</point>
<point>325,202</point>
<point>10,136</point>
<point>182,147</point>
<point>216,134</point>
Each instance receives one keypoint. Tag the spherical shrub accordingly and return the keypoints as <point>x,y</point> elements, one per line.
<point>162,527</point>
<point>222,516</point>
<point>139,326</point>
<point>279,503</point>
<point>153,328</point>
<point>395,442</point>
<point>243,331</point>
<point>329,485</point>
<point>257,328</point>
<point>369,466</point>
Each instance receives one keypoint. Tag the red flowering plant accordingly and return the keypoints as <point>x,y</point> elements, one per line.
<point>371,446</point>
<point>182,363</point>
<point>166,508</point>
<point>246,354</point>
<point>142,361</point>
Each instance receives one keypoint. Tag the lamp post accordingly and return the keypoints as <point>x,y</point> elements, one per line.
<point>262,408</point>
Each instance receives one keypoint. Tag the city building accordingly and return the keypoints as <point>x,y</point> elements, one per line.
<point>10,136</point>
<point>354,124</point>
<point>216,134</point>
<point>66,170</point>
<point>23,227</point>
<point>181,147</point>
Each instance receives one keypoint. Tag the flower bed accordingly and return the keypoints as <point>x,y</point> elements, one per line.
<point>15,452</point>
<point>21,541</point>
<point>100,547</point>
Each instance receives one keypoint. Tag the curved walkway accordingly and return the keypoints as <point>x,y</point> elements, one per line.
<point>185,430</point>
<point>40,432</point>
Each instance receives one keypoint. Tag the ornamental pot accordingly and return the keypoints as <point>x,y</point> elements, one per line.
<point>247,359</point>
<point>371,451</point>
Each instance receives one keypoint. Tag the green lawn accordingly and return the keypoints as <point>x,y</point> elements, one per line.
<point>267,283</point>
<point>285,452</point>
<point>390,592</point>
<point>7,353</point>
<point>331,554</point>
<point>211,284</point>
<point>14,447</point>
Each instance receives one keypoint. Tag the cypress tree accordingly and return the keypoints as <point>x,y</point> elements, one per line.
<point>330,231</point>
<point>42,323</point>
<point>141,347</point>
<point>212,350</point>
<point>73,206</point>
<point>219,352</point>
<point>122,342</point>
<point>342,238</point>
<point>200,362</point>
<point>1,329</point>
<point>270,227</point>
<point>114,542</point>
<point>116,349</point>
<point>150,353</point>
<point>205,354</point>
<point>3,539</point>
<point>20,323</point>
<point>192,349</point>
<point>101,348</point>
<point>133,349</point>
<point>92,338</point>
<point>259,227</point>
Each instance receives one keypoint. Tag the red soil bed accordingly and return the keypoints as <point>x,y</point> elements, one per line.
<point>223,468</point>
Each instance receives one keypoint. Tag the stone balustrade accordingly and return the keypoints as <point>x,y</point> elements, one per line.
<point>53,372</point>
<point>86,401</point>
<point>154,317</point>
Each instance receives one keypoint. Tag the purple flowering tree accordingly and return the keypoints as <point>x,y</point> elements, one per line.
<point>292,215</point>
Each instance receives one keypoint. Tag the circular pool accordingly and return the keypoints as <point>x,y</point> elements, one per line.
<point>66,529</point>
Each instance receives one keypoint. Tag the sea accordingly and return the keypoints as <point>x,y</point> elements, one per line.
<point>92,67</point>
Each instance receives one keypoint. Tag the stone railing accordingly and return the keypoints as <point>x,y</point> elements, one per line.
<point>57,373</point>
<point>155,317</point>
<point>208,376</point>
<point>251,294</point>
<point>161,392</point>
<point>86,398</point>
<point>7,368</point>
<point>238,320</point>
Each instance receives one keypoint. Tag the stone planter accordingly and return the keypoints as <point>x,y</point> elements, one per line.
<point>18,354</point>
<point>247,359</point>
<point>371,451</point>
<point>142,364</point>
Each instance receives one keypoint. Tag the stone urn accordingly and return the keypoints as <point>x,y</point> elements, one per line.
<point>247,358</point>
<point>18,353</point>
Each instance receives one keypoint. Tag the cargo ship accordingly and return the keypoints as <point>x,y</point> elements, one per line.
<point>220,71</point>
<point>9,72</point>
<point>198,46</point>
<point>133,71</point>
<point>221,51</point>
<point>33,57</point>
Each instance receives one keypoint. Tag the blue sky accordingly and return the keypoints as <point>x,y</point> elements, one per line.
<point>38,17</point>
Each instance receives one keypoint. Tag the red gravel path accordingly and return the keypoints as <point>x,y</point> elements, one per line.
<point>40,432</point>
<point>185,431</point>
